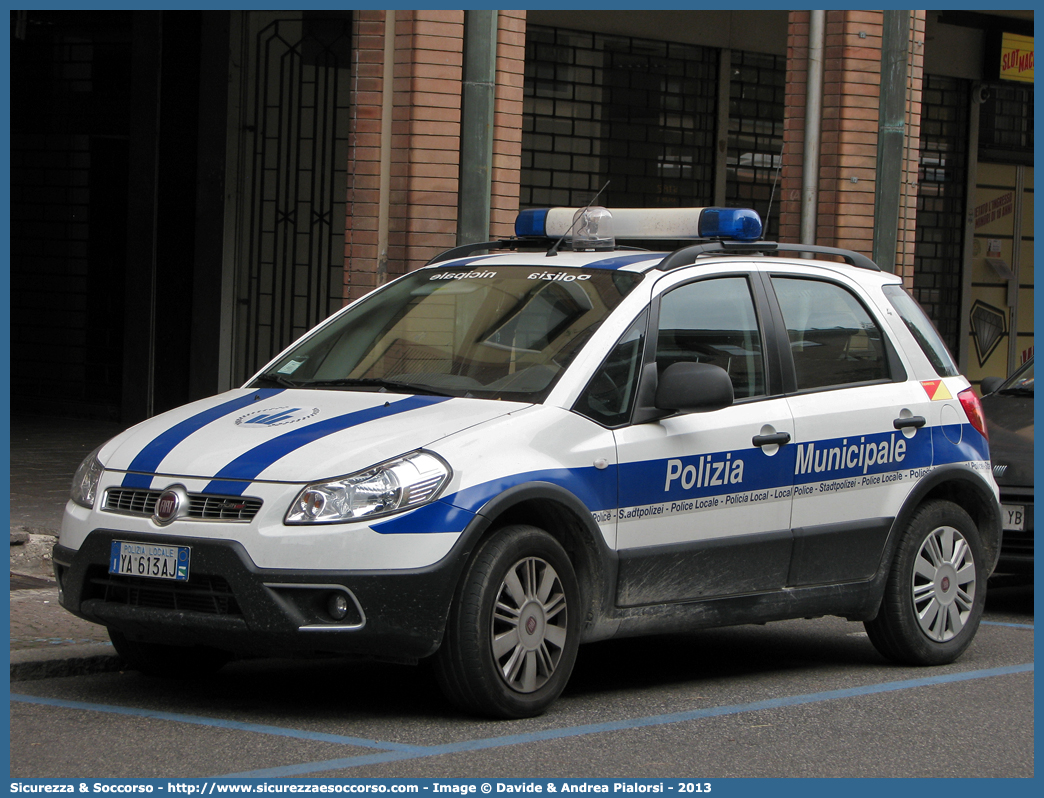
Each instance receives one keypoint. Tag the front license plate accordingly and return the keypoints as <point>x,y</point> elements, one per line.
<point>1014,517</point>
<point>153,560</point>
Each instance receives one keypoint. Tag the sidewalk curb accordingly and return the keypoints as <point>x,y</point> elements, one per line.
<point>81,660</point>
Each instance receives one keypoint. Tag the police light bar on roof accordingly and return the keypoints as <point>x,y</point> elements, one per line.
<point>738,224</point>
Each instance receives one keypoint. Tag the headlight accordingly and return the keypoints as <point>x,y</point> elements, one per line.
<point>85,481</point>
<point>397,485</point>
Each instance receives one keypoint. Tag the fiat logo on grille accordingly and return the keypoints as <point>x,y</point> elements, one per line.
<point>169,505</point>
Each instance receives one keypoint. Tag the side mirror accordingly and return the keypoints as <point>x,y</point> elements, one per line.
<point>694,388</point>
<point>682,388</point>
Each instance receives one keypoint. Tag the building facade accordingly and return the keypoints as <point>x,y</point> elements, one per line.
<point>191,191</point>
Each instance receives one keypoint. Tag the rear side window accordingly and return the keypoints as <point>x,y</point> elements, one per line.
<point>833,338</point>
<point>923,330</point>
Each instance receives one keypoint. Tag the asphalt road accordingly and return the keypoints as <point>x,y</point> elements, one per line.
<point>797,698</point>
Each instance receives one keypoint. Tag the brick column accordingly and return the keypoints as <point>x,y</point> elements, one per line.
<point>364,154</point>
<point>911,168</point>
<point>794,99</point>
<point>848,153</point>
<point>421,167</point>
<point>425,136</point>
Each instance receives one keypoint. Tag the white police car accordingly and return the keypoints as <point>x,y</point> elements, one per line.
<point>502,455</point>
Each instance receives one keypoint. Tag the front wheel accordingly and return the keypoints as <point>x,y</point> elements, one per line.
<point>935,592</point>
<point>513,630</point>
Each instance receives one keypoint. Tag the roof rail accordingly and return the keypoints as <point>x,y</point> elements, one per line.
<point>688,255</point>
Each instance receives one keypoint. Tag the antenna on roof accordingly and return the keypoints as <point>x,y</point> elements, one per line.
<point>554,250</point>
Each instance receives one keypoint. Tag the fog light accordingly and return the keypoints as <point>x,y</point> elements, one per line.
<point>337,606</point>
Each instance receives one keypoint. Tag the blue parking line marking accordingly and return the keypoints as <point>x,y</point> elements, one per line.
<point>277,731</point>
<point>397,752</point>
<point>1028,626</point>
<point>625,725</point>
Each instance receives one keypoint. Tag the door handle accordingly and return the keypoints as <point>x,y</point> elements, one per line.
<point>913,421</point>
<point>775,439</point>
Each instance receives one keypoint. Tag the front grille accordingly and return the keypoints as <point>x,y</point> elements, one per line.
<point>201,593</point>
<point>222,508</point>
<point>202,506</point>
<point>131,502</point>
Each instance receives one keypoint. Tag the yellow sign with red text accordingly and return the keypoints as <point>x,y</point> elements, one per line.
<point>1016,57</point>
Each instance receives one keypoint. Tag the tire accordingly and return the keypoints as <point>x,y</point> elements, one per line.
<point>166,661</point>
<point>935,591</point>
<point>513,629</point>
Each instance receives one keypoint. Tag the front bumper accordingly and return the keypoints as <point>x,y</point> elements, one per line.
<point>231,604</point>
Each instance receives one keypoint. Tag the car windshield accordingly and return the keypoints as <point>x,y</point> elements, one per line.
<point>489,332</point>
<point>1021,382</point>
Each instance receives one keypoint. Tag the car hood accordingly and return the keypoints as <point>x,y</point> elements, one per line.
<point>291,435</point>
<point>1009,419</point>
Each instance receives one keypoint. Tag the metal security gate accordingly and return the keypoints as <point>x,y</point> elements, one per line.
<point>636,112</point>
<point>292,162</point>
<point>757,86</point>
<point>941,188</point>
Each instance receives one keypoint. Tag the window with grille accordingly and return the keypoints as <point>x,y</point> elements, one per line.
<point>755,144</point>
<point>638,113</point>
<point>295,142</point>
<point>1006,122</point>
<point>941,202</point>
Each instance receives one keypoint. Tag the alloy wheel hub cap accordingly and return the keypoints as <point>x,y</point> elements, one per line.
<point>531,626</point>
<point>946,583</point>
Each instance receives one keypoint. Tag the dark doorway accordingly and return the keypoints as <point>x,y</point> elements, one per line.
<point>70,80</point>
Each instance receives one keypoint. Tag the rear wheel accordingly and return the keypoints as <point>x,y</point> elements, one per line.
<point>513,630</point>
<point>935,592</point>
<point>160,659</point>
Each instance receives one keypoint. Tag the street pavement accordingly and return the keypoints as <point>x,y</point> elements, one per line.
<point>45,639</point>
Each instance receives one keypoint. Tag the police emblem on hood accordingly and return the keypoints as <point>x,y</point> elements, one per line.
<point>276,416</point>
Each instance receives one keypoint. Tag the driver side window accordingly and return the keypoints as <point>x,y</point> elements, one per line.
<point>713,321</point>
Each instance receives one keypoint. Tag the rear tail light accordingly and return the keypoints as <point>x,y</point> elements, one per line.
<point>973,409</point>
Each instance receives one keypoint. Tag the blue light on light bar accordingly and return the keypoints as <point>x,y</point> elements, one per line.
<point>532,222</point>
<point>738,224</point>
